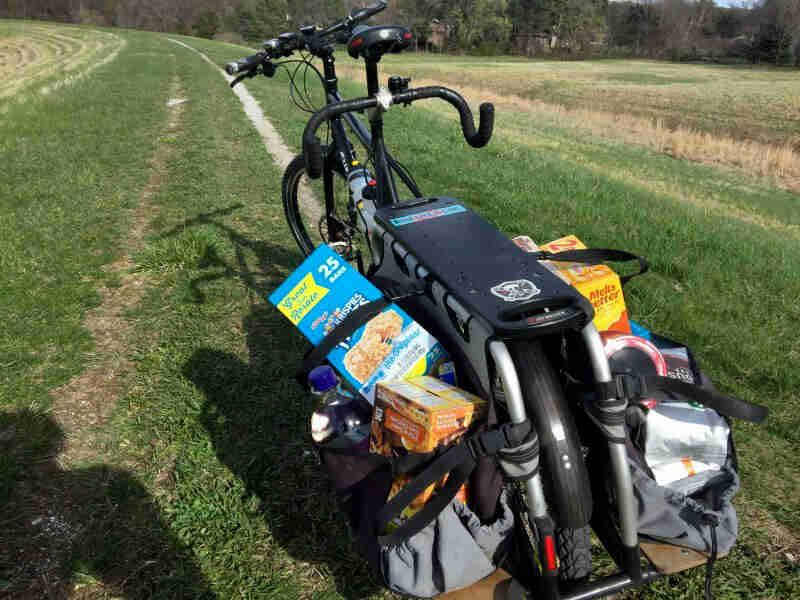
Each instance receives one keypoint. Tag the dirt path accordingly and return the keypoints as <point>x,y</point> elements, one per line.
<point>84,405</point>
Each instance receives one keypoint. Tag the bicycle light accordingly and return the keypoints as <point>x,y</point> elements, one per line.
<point>631,354</point>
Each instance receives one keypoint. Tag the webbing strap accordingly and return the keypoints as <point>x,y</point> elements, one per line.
<point>596,256</point>
<point>635,387</point>
<point>343,330</point>
<point>458,461</point>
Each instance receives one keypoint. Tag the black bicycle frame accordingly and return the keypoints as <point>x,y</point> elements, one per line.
<point>340,153</point>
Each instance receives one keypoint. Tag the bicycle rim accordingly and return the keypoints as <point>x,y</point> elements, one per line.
<point>304,204</point>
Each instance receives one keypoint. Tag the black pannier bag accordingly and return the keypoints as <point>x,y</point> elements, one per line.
<point>447,545</point>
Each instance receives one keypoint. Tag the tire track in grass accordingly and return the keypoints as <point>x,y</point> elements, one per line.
<point>74,63</point>
<point>84,405</point>
<point>272,140</point>
<point>43,50</point>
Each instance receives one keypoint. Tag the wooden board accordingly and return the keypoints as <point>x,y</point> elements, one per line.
<point>494,587</point>
<point>669,559</point>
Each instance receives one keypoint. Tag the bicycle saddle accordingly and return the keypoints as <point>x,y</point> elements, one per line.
<point>374,42</point>
<point>489,275</point>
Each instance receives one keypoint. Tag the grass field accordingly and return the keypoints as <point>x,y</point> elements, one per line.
<point>743,119</point>
<point>152,441</point>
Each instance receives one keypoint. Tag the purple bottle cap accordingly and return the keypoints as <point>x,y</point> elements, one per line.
<point>322,379</point>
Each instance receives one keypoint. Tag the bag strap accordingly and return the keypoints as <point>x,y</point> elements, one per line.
<point>596,256</point>
<point>457,463</point>
<point>636,387</point>
<point>343,330</point>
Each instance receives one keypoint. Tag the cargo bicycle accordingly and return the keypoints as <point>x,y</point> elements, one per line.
<point>515,331</point>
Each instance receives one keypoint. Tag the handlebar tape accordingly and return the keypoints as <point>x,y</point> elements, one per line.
<point>247,63</point>
<point>312,148</point>
<point>476,139</point>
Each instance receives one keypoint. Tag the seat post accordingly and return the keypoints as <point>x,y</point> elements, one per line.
<point>372,77</point>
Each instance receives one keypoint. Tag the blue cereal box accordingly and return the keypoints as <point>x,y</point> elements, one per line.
<point>323,291</point>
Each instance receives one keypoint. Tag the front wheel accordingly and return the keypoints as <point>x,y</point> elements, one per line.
<point>304,203</point>
<point>318,212</point>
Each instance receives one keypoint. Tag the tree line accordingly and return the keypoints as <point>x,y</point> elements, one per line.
<point>762,31</point>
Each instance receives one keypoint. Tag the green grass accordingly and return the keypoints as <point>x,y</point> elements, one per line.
<point>205,467</point>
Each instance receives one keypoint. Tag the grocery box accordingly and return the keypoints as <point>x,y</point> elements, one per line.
<point>318,296</point>
<point>399,482</point>
<point>599,283</point>
<point>421,413</point>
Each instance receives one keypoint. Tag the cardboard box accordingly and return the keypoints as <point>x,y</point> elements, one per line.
<point>324,290</point>
<point>599,283</point>
<point>420,414</point>
<point>418,503</point>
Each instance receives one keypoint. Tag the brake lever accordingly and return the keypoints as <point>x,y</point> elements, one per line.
<point>249,75</point>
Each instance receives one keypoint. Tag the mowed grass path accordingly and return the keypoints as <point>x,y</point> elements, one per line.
<point>203,484</point>
<point>43,54</point>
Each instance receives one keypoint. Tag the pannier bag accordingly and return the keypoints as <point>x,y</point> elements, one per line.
<point>682,457</point>
<point>454,551</point>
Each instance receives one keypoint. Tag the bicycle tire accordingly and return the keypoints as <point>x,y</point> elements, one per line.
<point>564,474</point>
<point>574,554</point>
<point>294,206</point>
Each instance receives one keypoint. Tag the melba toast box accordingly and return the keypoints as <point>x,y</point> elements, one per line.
<point>420,414</point>
<point>599,283</point>
<point>323,291</point>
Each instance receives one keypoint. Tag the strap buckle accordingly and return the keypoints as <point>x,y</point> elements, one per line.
<point>487,443</point>
<point>630,387</point>
<point>508,435</point>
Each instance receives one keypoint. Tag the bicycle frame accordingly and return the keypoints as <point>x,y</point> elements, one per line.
<point>340,156</point>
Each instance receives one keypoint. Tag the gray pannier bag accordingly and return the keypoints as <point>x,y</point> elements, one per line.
<point>452,552</point>
<point>682,457</point>
<point>684,497</point>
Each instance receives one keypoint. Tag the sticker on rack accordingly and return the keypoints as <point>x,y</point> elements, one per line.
<point>516,291</point>
<point>427,215</point>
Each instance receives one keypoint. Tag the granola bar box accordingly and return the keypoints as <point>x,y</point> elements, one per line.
<point>421,413</point>
<point>323,291</point>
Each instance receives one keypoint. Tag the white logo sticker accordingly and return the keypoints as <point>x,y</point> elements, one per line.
<point>516,291</point>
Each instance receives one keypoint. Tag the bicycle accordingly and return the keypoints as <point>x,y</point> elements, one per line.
<point>343,174</point>
<point>511,326</point>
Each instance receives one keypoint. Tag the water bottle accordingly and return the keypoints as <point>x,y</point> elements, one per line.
<point>342,419</point>
<point>363,196</point>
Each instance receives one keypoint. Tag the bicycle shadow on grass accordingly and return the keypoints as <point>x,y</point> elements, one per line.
<point>258,421</point>
<point>92,532</point>
<point>273,262</point>
<point>258,418</point>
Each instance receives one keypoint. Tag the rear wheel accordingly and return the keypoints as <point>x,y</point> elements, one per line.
<point>564,475</point>
<point>574,553</point>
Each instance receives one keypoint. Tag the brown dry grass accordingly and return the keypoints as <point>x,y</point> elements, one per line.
<point>30,53</point>
<point>780,162</point>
